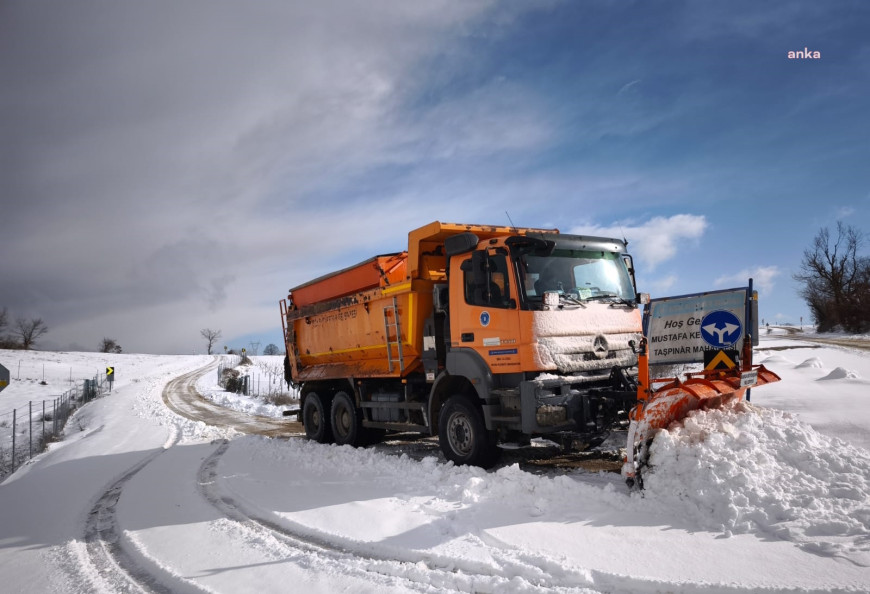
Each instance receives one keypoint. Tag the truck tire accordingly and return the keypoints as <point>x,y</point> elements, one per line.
<point>315,418</point>
<point>462,434</point>
<point>345,421</point>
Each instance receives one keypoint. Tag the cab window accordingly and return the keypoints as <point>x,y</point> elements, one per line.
<point>486,281</point>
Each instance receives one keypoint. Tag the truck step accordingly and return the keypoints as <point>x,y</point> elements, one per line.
<point>402,427</point>
<point>421,406</point>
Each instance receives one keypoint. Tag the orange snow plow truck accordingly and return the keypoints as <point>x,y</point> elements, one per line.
<point>488,336</point>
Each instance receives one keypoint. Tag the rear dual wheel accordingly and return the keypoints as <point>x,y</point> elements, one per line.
<point>315,418</point>
<point>345,421</point>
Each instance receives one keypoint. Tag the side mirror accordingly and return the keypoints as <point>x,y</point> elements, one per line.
<point>461,243</point>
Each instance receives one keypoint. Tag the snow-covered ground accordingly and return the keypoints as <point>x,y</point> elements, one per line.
<point>771,496</point>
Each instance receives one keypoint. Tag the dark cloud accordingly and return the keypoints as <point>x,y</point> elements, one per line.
<point>170,166</point>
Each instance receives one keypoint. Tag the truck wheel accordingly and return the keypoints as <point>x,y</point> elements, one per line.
<point>462,434</point>
<point>345,421</point>
<point>315,418</point>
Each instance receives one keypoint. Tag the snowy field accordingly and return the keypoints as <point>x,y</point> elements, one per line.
<point>771,496</point>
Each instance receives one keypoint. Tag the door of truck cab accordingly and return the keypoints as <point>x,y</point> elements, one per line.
<point>484,313</point>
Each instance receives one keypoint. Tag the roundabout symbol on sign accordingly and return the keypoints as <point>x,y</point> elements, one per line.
<point>721,328</point>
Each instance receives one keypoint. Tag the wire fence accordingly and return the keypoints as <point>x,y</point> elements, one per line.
<point>27,430</point>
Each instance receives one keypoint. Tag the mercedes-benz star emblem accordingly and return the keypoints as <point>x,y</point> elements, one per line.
<point>600,347</point>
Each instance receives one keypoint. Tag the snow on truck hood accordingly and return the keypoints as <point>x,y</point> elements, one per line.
<point>585,339</point>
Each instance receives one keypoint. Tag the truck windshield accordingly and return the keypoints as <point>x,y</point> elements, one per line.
<point>577,274</point>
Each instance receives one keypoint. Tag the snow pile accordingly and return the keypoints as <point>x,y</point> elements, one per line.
<point>774,361</point>
<point>841,373</point>
<point>811,363</point>
<point>746,469</point>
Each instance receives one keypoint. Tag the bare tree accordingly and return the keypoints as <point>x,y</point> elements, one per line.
<point>110,345</point>
<point>29,331</point>
<point>835,280</point>
<point>271,349</point>
<point>211,337</point>
<point>6,342</point>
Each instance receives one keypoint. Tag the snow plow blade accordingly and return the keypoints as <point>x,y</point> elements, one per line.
<point>660,406</point>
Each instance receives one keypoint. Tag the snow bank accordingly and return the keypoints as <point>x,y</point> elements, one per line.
<point>841,373</point>
<point>747,469</point>
<point>811,363</point>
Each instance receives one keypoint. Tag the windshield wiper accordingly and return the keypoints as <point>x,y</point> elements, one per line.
<point>616,300</point>
<point>603,296</point>
<point>571,300</point>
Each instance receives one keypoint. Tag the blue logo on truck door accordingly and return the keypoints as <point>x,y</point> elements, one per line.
<point>484,318</point>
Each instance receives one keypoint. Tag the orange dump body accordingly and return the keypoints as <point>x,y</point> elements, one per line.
<point>380,271</point>
<point>364,321</point>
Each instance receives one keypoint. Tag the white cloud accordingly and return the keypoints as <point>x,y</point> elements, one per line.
<point>844,212</point>
<point>662,285</point>
<point>762,278</point>
<point>654,241</point>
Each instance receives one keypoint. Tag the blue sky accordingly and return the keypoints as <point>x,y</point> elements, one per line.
<point>170,167</point>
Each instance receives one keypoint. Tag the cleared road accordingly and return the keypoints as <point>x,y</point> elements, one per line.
<point>181,396</point>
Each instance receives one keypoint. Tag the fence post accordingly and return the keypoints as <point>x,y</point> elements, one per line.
<point>14,430</point>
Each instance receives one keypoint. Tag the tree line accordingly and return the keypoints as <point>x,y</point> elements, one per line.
<point>834,280</point>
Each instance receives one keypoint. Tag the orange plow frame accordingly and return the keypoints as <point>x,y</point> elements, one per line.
<point>658,407</point>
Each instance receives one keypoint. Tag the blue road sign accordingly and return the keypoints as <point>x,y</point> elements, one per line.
<point>721,329</point>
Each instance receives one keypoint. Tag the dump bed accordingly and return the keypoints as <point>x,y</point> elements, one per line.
<point>380,271</point>
<point>363,321</point>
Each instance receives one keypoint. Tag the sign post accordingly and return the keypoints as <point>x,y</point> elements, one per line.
<point>110,377</point>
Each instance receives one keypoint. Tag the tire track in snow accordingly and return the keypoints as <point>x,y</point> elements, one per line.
<point>516,571</point>
<point>510,569</point>
<point>107,549</point>
<point>104,537</point>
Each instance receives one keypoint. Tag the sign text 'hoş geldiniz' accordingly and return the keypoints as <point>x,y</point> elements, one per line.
<point>681,329</point>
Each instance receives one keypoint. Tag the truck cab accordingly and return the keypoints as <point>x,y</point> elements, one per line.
<point>544,328</point>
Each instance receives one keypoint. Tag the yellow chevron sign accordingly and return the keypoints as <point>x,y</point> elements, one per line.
<point>110,373</point>
<point>721,360</point>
